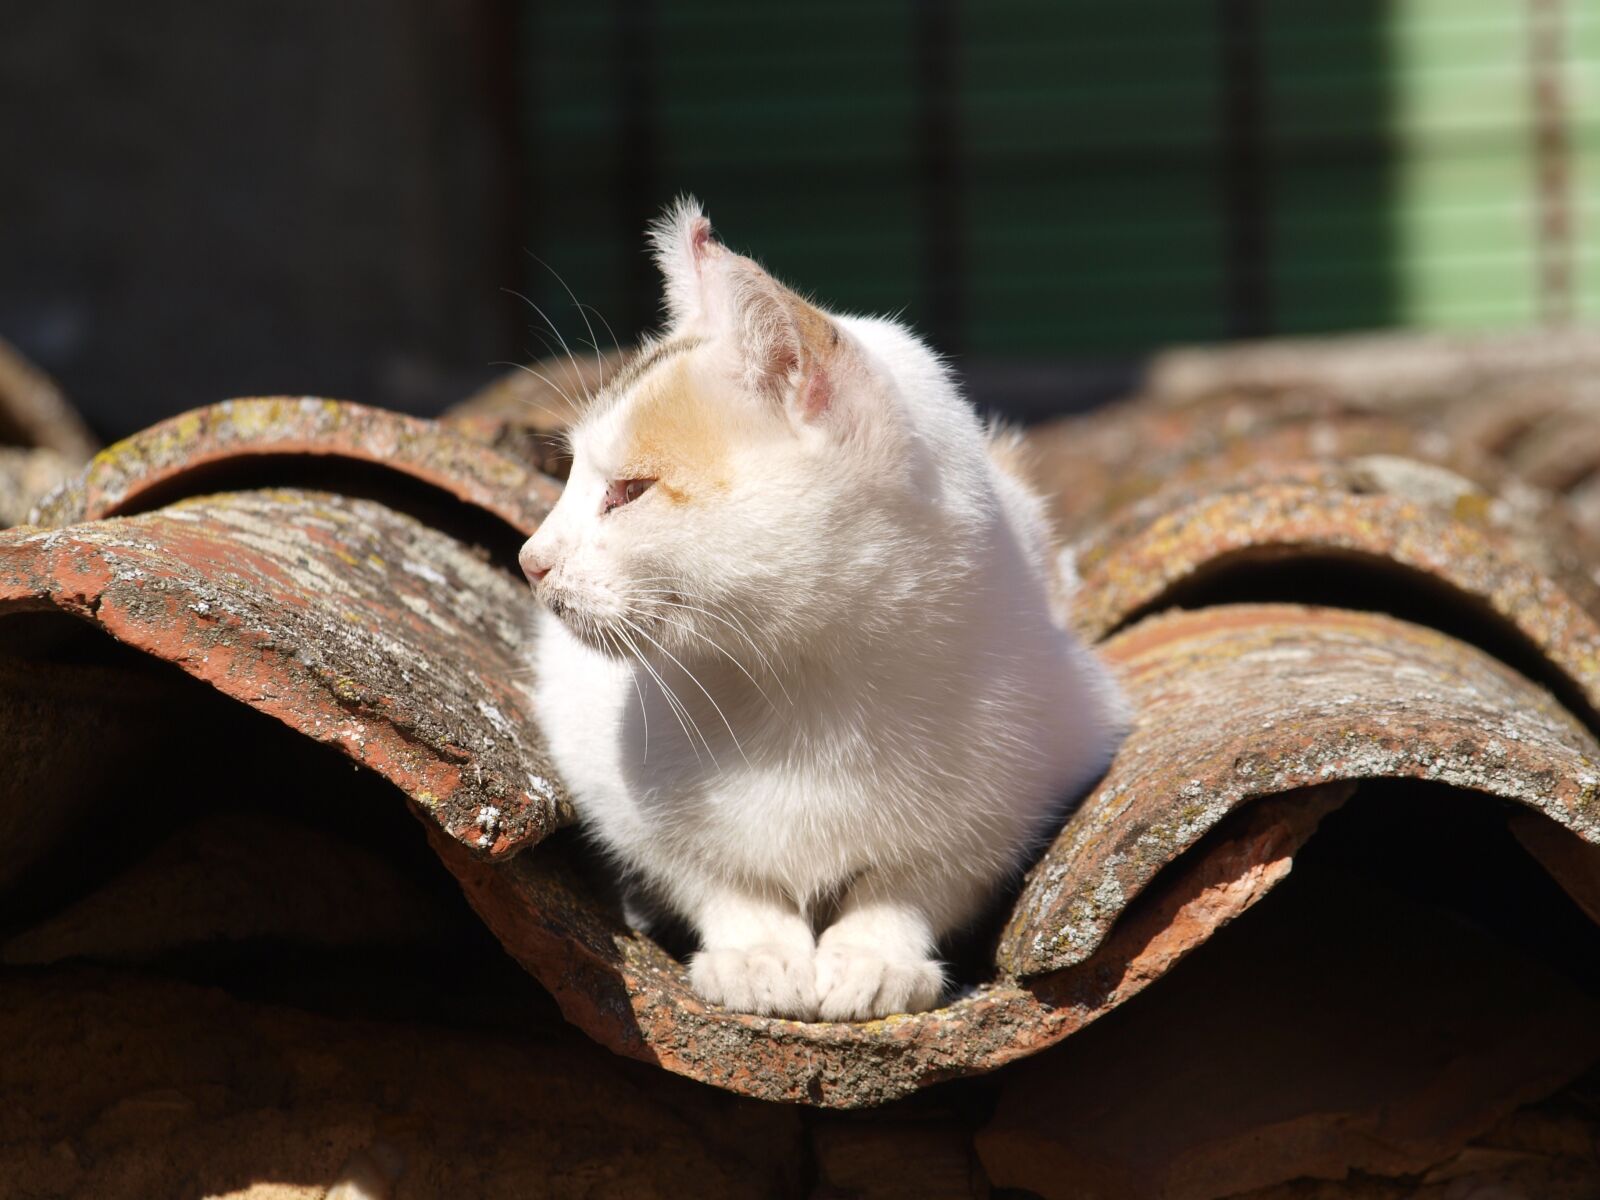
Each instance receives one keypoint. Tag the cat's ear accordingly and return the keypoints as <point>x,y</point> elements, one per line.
<point>785,345</point>
<point>790,350</point>
<point>681,239</point>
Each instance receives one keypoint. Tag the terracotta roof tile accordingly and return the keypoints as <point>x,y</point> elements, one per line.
<point>1158,558</point>
<point>355,624</point>
<point>35,413</point>
<point>346,571</point>
<point>42,440</point>
<point>211,448</point>
<point>26,477</point>
<point>1395,370</point>
<point>1242,701</point>
<point>631,996</point>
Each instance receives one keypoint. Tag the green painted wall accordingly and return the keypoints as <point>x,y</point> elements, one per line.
<point>1095,158</point>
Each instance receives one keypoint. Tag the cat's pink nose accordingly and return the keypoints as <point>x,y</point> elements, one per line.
<point>533,566</point>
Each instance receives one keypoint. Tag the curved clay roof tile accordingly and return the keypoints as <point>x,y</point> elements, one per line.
<point>386,635</point>
<point>1246,706</point>
<point>214,447</point>
<point>35,414</point>
<point>352,623</point>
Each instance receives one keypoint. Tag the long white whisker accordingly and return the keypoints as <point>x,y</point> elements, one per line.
<point>685,718</point>
<point>551,350</point>
<point>692,632</point>
<point>749,641</point>
<point>692,679</point>
<point>739,618</point>
<point>610,332</point>
<point>728,618</point>
<point>695,680</point>
<point>552,384</point>
<point>592,339</point>
<point>577,371</point>
<point>612,641</point>
<point>676,706</point>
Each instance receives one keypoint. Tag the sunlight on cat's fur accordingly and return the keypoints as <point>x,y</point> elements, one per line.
<point>796,660</point>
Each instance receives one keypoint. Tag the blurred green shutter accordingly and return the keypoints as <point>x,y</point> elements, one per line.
<point>1396,161</point>
<point>792,123</point>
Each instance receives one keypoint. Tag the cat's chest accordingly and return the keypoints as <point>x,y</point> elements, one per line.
<point>639,763</point>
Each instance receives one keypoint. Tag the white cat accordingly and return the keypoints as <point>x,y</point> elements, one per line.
<point>797,663</point>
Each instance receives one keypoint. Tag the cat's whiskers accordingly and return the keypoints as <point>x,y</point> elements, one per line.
<point>550,383</point>
<point>551,350</point>
<point>738,617</point>
<point>655,597</point>
<point>685,714</point>
<point>610,638</point>
<point>578,372</point>
<point>679,711</point>
<point>692,632</point>
<point>611,333</point>
<point>674,705</point>
<point>730,617</point>
<point>694,679</point>
<point>580,307</point>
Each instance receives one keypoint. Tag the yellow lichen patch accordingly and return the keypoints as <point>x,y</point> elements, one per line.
<point>674,434</point>
<point>1472,508</point>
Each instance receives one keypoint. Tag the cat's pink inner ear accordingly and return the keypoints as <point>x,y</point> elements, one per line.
<point>816,394</point>
<point>817,347</point>
<point>788,347</point>
<point>699,239</point>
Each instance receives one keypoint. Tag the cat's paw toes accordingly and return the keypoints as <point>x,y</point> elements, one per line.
<point>769,979</point>
<point>855,983</point>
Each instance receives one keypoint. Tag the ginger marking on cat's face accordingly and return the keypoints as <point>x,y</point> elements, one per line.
<point>672,431</point>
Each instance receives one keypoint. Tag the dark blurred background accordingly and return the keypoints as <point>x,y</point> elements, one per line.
<point>266,196</point>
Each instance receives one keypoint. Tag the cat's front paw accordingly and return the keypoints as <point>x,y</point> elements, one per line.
<point>770,979</point>
<point>857,983</point>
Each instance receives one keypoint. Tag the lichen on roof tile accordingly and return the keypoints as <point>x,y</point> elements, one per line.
<point>369,629</point>
<point>299,604</point>
<point>196,444</point>
<point>1526,576</point>
<point>1242,701</point>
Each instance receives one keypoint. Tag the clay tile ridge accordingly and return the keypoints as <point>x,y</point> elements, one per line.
<point>363,618</point>
<point>214,447</point>
<point>347,617</point>
<point>35,414</point>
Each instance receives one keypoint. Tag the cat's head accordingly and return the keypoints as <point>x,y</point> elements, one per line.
<point>737,482</point>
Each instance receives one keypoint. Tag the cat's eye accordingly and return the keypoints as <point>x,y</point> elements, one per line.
<point>624,491</point>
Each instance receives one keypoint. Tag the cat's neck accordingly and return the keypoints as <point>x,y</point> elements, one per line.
<point>900,661</point>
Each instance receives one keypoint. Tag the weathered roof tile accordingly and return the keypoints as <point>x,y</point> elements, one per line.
<point>26,477</point>
<point>35,414</point>
<point>197,450</point>
<point>1394,370</point>
<point>1239,702</point>
<point>1453,556</point>
<point>369,622</point>
<point>355,624</point>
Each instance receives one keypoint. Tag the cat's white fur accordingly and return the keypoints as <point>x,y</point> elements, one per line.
<point>873,717</point>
